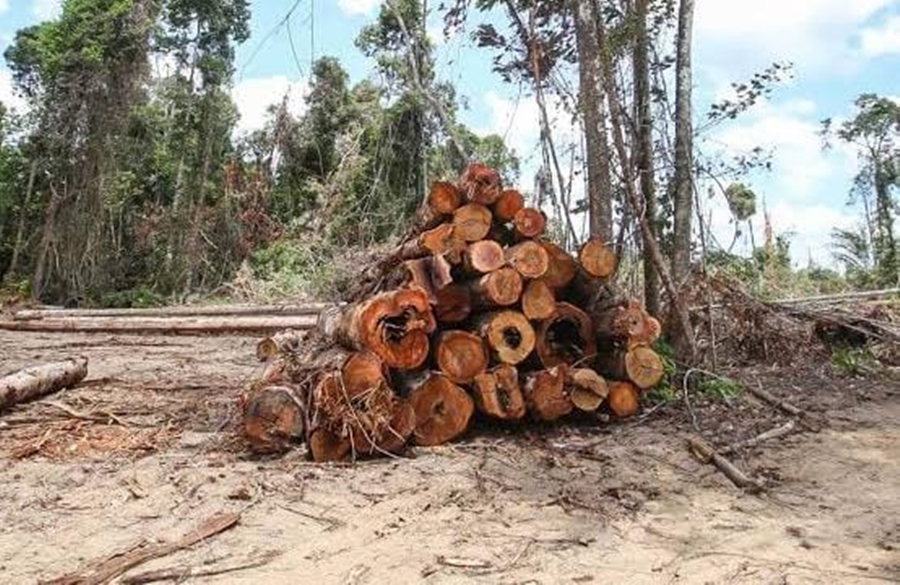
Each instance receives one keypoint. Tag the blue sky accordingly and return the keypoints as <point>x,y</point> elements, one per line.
<point>840,48</point>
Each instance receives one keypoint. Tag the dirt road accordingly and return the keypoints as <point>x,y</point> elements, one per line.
<point>145,450</point>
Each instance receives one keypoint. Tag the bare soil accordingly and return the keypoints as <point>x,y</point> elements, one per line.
<point>145,449</point>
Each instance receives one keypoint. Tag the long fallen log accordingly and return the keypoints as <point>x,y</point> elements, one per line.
<point>248,325</point>
<point>38,381</point>
<point>177,311</point>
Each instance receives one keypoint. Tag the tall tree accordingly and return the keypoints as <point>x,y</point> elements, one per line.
<point>593,111</point>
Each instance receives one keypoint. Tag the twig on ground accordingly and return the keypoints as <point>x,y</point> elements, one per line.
<point>100,417</point>
<point>183,573</point>
<point>775,433</point>
<point>783,405</point>
<point>705,453</point>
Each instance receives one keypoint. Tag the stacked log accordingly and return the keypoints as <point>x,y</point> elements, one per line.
<point>476,315</point>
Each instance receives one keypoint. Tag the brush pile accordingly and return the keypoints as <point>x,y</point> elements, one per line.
<point>474,314</point>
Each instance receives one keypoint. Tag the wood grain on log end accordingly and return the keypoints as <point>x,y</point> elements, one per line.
<point>529,222</point>
<point>498,395</point>
<point>529,258</point>
<point>644,367</point>
<point>508,205</point>
<point>587,389</point>
<point>597,258</point>
<point>500,288</point>
<point>562,267</point>
<point>443,411</point>
<point>472,222</point>
<point>461,355</point>
<point>538,300</point>
<point>480,184</point>
<point>325,445</point>
<point>545,394</point>
<point>508,334</point>
<point>623,398</point>
<point>566,337</point>
<point>444,197</point>
<point>484,256</point>
<point>273,419</point>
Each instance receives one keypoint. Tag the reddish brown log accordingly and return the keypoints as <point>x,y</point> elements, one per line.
<point>538,301</point>
<point>529,258</point>
<point>431,274</point>
<point>362,371</point>
<point>562,268</point>
<point>623,398</point>
<point>480,184</point>
<point>498,395</point>
<point>641,365</point>
<point>597,258</point>
<point>453,303</point>
<point>508,334</point>
<point>545,394</point>
<point>439,240</point>
<point>401,428</point>
<point>587,389</point>
<point>483,256</point>
<point>444,198</point>
<point>461,355</point>
<point>472,222</point>
<point>500,288</point>
<point>508,205</point>
<point>325,445</point>
<point>395,325</point>
<point>567,337</point>
<point>273,418</point>
<point>443,411</point>
<point>529,222</point>
<point>627,325</point>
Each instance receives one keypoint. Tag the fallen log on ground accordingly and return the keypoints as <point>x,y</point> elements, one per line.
<point>34,382</point>
<point>221,325</point>
<point>176,311</point>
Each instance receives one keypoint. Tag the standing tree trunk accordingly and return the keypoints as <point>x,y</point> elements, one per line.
<point>591,104</point>
<point>644,143</point>
<point>684,184</point>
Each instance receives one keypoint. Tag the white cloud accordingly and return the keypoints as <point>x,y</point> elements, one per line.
<point>358,7</point>
<point>7,97</point>
<point>4,6</point>
<point>254,96</point>
<point>518,121</point>
<point>881,40</point>
<point>46,9</point>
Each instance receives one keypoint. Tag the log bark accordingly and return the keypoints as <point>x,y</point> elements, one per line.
<point>453,304</point>
<point>472,222</point>
<point>623,398</point>
<point>500,288</point>
<point>545,394</point>
<point>498,395</point>
<point>401,428</point>
<point>395,325</point>
<point>37,381</point>
<point>178,311</point>
<point>483,256</point>
<point>627,325</point>
<point>641,365</point>
<point>508,205</point>
<point>274,418</point>
<point>508,334</point>
<point>430,274</point>
<point>562,267</point>
<point>538,301</point>
<point>438,241</point>
<point>282,342</point>
<point>597,258</point>
<point>529,222</point>
<point>223,325</point>
<point>442,411</point>
<point>587,389</point>
<point>529,258</point>
<point>480,184</point>
<point>461,355</point>
<point>567,337</point>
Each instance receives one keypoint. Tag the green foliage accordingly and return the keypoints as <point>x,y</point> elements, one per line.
<point>852,361</point>
<point>667,389</point>
<point>718,388</point>
<point>741,201</point>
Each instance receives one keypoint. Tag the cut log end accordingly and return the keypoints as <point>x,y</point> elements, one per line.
<point>546,396</point>
<point>484,256</point>
<point>273,419</point>
<point>508,205</point>
<point>562,267</point>
<point>538,301</point>
<point>529,258</point>
<point>500,288</point>
<point>325,445</point>
<point>624,399</point>
<point>597,258</point>
<point>472,222</point>
<point>587,389</point>
<point>567,337</point>
<point>644,367</point>
<point>529,222</point>
<point>509,335</point>
<point>498,395</point>
<point>444,198</point>
<point>480,184</point>
<point>361,372</point>
<point>442,411</point>
<point>396,326</point>
<point>461,356</point>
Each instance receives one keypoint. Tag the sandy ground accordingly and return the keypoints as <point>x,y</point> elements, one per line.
<point>145,450</point>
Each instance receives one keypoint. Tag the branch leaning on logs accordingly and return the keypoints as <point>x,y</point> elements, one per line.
<point>473,315</point>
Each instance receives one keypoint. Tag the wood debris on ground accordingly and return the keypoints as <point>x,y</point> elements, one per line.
<point>474,314</point>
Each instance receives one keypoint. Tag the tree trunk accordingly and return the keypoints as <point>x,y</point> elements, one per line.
<point>538,300</point>
<point>460,355</point>
<point>500,288</point>
<point>644,147</point>
<point>431,274</point>
<point>508,205</point>
<point>624,399</point>
<point>593,112</point>
<point>545,394</point>
<point>274,418</point>
<point>508,334</point>
<point>176,311</point>
<point>567,337</point>
<point>562,267</point>
<point>498,395</point>
<point>529,258</point>
<point>38,381</point>
<point>625,325</point>
<point>20,231</point>
<point>443,411</point>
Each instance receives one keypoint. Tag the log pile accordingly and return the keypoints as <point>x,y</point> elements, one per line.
<point>474,314</point>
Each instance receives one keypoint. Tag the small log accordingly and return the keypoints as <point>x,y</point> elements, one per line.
<point>472,222</point>
<point>282,342</point>
<point>627,325</point>
<point>395,325</point>
<point>444,198</point>
<point>453,303</point>
<point>460,355</point>
<point>545,394</point>
<point>597,258</point>
<point>480,184</point>
<point>705,453</point>
<point>641,365</point>
<point>274,418</point>
<point>624,398</point>
<point>562,267</point>
<point>508,334</point>
<point>219,325</point>
<point>538,301</point>
<point>325,445</point>
<point>500,288</point>
<point>587,389</point>
<point>431,274</point>
<point>529,258</point>
<point>508,205</point>
<point>498,395</point>
<point>177,311</point>
<point>443,411</point>
<point>37,381</point>
<point>483,256</point>
<point>529,222</point>
<point>567,337</point>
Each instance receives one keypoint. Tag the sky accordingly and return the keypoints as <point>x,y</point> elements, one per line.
<point>839,49</point>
